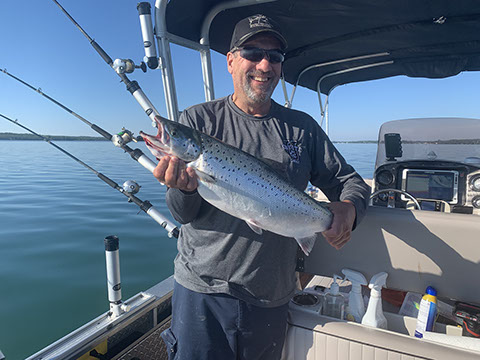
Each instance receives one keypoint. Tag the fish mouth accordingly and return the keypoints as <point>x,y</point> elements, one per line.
<point>159,142</point>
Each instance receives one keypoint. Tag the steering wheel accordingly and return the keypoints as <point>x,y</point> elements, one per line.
<point>403,192</point>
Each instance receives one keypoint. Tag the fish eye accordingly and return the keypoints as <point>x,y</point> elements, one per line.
<point>173,133</point>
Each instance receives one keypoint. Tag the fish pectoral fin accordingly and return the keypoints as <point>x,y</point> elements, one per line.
<point>306,243</point>
<point>205,177</point>
<point>257,229</point>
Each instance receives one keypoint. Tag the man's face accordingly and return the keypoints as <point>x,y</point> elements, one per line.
<point>254,82</point>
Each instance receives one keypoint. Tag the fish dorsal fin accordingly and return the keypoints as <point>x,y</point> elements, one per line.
<point>257,229</point>
<point>306,243</point>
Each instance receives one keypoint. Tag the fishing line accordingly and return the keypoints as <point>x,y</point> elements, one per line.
<point>120,66</point>
<point>129,187</point>
<point>119,140</point>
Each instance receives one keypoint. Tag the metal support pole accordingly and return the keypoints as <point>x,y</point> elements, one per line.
<point>287,104</point>
<point>206,60</point>
<point>166,64</point>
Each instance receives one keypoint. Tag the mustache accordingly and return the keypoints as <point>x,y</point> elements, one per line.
<point>260,73</point>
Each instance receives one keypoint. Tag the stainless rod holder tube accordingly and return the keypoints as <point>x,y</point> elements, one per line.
<point>114,287</point>
<point>144,13</point>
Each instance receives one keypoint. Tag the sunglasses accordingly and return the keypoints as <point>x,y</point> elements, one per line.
<point>255,54</point>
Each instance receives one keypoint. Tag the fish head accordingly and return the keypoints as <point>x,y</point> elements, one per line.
<point>174,139</point>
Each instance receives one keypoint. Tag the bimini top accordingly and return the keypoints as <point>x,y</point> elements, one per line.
<point>417,38</point>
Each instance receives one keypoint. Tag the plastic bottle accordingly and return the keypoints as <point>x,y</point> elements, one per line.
<point>374,314</point>
<point>356,306</point>
<point>427,312</point>
<point>334,302</point>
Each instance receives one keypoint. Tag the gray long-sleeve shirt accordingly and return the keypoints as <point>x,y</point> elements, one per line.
<point>218,253</point>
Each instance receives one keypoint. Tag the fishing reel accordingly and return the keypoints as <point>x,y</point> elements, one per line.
<point>131,187</point>
<point>123,138</point>
<point>127,66</point>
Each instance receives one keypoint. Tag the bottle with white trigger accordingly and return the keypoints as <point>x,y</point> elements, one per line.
<point>374,314</point>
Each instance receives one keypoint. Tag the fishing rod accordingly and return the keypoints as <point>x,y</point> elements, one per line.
<point>124,66</point>
<point>129,189</point>
<point>120,139</point>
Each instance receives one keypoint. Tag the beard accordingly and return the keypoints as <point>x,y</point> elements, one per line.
<point>265,93</point>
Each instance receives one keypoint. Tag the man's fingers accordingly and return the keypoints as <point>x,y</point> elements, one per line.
<point>171,173</point>
<point>174,173</point>
<point>340,241</point>
<point>192,179</point>
<point>159,171</point>
<point>182,176</point>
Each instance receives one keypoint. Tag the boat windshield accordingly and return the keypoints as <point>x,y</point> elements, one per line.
<point>433,139</point>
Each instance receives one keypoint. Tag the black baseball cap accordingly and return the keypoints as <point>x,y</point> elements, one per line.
<point>253,25</point>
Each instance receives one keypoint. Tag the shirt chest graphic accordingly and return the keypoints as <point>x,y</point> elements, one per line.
<point>293,149</point>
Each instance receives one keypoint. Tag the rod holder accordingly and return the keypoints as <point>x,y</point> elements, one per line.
<point>144,13</point>
<point>114,286</point>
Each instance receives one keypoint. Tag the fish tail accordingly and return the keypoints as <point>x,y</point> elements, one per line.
<point>306,243</point>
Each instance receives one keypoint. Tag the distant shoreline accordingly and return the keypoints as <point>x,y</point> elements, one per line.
<point>16,136</point>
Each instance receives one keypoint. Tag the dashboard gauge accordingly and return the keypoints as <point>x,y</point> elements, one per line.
<point>476,202</point>
<point>385,177</point>
<point>475,182</point>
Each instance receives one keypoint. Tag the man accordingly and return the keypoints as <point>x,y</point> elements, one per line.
<point>232,286</point>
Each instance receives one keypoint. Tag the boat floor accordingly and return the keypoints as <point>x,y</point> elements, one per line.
<point>149,347</point>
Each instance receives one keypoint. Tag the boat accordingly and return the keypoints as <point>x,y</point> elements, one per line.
<point>423,224</point>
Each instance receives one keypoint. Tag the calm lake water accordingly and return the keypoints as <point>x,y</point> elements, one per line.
<point>54,215</point>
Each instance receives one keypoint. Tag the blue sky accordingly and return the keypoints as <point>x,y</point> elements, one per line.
<point>40,45</point>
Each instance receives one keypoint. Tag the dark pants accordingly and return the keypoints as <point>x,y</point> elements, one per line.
<point>219,326</point>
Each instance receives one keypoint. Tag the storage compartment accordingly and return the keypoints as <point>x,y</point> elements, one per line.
<point>312,336</point>
<point>417,249</point>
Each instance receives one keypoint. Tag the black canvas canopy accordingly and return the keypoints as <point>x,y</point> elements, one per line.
<point>417,38</point>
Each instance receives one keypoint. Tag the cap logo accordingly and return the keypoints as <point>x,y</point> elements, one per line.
<point>259,21</point>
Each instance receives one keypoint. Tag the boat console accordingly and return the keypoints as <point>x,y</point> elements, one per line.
<point>437,186</point>
<point>436,172</point>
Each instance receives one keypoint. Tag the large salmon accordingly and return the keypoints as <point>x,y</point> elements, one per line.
<point>241,185</point>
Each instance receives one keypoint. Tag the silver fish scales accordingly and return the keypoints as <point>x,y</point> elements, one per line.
<point>241,185</point>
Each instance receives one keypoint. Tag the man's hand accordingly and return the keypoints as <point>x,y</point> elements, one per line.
<point>173,172</point>
<point>339,233</point>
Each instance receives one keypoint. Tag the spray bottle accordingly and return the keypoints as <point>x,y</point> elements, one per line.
<point>374,314</point>
<point>334,302</point>
<point>356,307</point>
